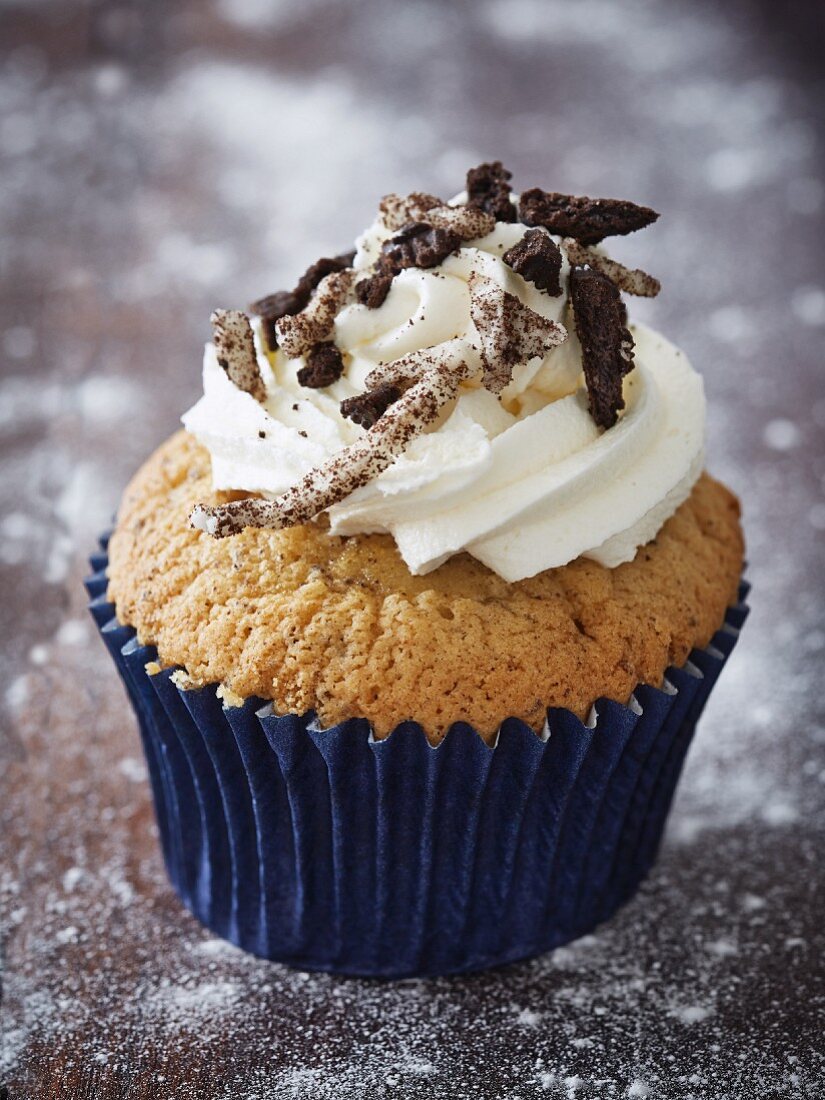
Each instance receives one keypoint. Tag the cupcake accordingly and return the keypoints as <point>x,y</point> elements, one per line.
<point>419,611</point>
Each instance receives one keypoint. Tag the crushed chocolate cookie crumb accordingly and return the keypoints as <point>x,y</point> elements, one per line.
<point>298,333</point>
<point>632,280</point>
<point>417,245</point>
<point>368,408</point>
<point>607,346</point>
<point>467,222</point>
<point>345,471</point>
<point>537,258</point>
<point>586,220</point>
<point>261,435</point>
<point>324,365</point>
<point>488,190</point>
<point>315,273</point>
<point>286,303</point>
<point>372,292</point>
<point>399,210</point>
<point>235,347</point>
<point>272,308</point>
<point>510,331</point>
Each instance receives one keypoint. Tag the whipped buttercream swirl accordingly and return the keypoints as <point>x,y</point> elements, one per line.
<point>523,480</point>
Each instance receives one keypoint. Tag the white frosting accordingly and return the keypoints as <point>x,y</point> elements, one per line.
<point>525,483</point>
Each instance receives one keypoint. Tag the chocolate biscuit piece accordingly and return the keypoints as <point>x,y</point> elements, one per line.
<point>324,365</point>
<point>632,280</point>
<point>586,220</point>
<point>417,245</point>
<point>488,190</point>
<point>607,346</point>
<point>368,408</point>
<point>537,258</point>
<point>286,303</point>
<point>298,333</point>
<point>372,292</point>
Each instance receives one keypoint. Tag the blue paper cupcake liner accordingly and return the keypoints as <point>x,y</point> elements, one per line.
<point>328,850</point>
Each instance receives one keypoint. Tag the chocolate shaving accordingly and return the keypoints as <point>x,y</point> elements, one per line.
<point>466,222</point>
<point>607,346</point>
<point>235,346</point>
<point>347,470</point>
<point>510,332</point>
<point>632,280</point>
<point>537,258</point>
<point>286,303</point>
<point>488,190</point>
<point>417,245</point>
<point>299,333</point>
<point>372,292</point>
<point>367,408</point>
<point>324,365</point>
<point>586,220</point>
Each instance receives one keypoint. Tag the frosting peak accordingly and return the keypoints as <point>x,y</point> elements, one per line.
<point>451,384</point>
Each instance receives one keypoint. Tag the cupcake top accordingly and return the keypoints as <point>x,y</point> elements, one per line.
<point>466,380</point>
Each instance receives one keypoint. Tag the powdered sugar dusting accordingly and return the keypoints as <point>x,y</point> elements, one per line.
<point>147,182</point>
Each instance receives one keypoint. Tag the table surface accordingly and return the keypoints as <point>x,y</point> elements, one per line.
<point>163,159</point>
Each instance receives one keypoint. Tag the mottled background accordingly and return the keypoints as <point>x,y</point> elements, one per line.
<point>162,158</point>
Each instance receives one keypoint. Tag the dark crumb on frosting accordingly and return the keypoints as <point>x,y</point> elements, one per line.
<point>586,220</point>
<point>537,258</point>
<point>367,408</point>
<point>286,303</point>
<point>372,292</point>
<point>607,346</point>
<point>324,365</point>
<point>417,245</point>
<point>488,190</point>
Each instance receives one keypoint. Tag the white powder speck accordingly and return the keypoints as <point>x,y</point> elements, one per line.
<point>638,1089</point>
<point>778,812</point>
<point>199,1000</point>
<point>216,947</point>
<point>528,1018</point>
<point>133,769</point>
<point>39,654</point>
<point>71,878</point>
<point>734,169</point>
<point>692,1014</point>
<point>73,632</point>
<point>730,324</point>
<point>781,435</point>
<point>71,934</point>
<point>808,305</point>
<point>17,693</point>
<point>722,948</point>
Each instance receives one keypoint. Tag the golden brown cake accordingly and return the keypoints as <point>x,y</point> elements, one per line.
<point>339,625</point>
